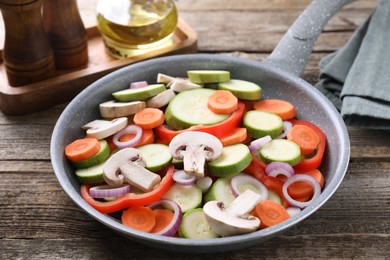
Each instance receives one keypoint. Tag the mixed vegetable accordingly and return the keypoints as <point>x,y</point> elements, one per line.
<point>198,157</point>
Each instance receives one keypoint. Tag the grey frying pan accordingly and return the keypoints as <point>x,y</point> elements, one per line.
<point>279,77</point>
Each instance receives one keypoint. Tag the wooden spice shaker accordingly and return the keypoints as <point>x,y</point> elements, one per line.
<point>67,34</point>
<point>27,54</point>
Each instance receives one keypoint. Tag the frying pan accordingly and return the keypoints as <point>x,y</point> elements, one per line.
<point>279,78</point>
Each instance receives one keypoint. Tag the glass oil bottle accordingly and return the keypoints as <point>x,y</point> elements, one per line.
<point>132,27</point>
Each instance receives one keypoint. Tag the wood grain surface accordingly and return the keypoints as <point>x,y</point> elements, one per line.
<point>39,221</point>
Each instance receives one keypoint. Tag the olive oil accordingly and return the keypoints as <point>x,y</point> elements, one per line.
<point>132,26</point>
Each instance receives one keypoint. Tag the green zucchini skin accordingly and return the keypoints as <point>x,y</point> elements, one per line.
<point>189,108</point>
<point>234,159</point>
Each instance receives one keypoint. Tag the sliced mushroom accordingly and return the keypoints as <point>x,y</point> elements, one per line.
<point>161,99</point>
<point>194,148</point>
<point>101,129</point>
<point>113,109</point>
<point>177,84</point>
<point>180,84</point>
<point>127,165</point>
<point>234,219</point>
<point>165,79</point>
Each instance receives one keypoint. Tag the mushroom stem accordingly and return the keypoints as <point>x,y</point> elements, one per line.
<point>129,166</point>
<point>140,177</point>
<point>194,159</point>
<point>244,203</point>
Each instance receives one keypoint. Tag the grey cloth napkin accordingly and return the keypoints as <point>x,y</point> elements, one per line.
<point>356,78</point>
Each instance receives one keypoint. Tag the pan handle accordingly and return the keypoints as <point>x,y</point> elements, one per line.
<point>292,52</point>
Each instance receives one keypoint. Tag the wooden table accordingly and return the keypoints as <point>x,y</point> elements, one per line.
<point>39,221</point>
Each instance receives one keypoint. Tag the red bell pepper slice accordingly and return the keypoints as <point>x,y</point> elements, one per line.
<point>256,168</point>
<point>308,164</point>
<point>130,199</point>
<point>219,130</point>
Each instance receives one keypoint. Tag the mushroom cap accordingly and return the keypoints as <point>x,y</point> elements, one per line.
<point>233,220</point>
<point>111,170</point>
<point>114,109</point>
<point>211,145</point>
<point>101,129</point>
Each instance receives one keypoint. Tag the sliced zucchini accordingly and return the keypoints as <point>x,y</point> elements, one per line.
<point>208,76</point>
<point>156,156</point>
<point>242,89</point>
<point>281,150</point>
<point>189,108</point>
<point>234,159</point>
<point>134,94</point>
<point>188,197</point>
<point>220,191</point>
<point>91,175</point>
<point>194,225</point>
<point>260,123</point>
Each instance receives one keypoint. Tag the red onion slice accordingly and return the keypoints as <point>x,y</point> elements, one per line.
<point>182,178</point>
<point>255,145</point>
<point>131,129</point>
<point>287,126</point>
<point>301,177</point>
<point>243,181</point>
<point>173,227</point>
<point>279,168</point>
<point>139,84</point>
<point>107,191</point>
<point>204,183</point>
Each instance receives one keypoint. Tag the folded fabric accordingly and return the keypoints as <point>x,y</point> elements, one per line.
<point>356,78</point>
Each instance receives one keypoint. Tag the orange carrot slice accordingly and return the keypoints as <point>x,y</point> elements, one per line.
<point>222,102</point>
<point>270,213</point>
<point>238,135</point>
<point>307,139</point>
<point>140,218</point>
<point>82,149</point>
<point>149,118</point>
<point>303,190</point>
<point>163,219</point>
<point>282,108</point>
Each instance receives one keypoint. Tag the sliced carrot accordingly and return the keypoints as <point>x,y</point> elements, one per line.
<point>163,219</point>
<point>303,190</point>
<point>238,135</point>
<point>270,213</point>
<point>304,199</point>
<point>307,139</point>
<point>282,108</point>
<point>222,102</point>
<point>149,118</point>
<point>146,138</point>
<point>82,149</point>
<point>140,218</point>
